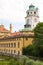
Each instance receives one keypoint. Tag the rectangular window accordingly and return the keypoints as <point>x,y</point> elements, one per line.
<point>18,44</point>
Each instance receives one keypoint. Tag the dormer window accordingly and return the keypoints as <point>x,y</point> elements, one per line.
<point>34,12</point>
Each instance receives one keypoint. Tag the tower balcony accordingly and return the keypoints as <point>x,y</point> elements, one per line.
<point>27,26</point>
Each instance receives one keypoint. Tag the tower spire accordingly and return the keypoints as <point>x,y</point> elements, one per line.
<point>10,27</point>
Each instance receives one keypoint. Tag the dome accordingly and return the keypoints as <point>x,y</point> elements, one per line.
<point>31,6</point>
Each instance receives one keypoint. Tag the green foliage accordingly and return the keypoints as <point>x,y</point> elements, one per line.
<point>30,62</point>
<point>12,62</point>
<point>38,34</point>
<point>36,49</point>
<point>22,61</point>
<point>28,50</point>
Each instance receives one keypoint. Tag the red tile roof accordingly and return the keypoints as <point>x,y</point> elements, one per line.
<point>2,29</point>
<point>15,33</point>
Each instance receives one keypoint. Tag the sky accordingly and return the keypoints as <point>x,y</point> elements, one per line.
<point>14,11</point>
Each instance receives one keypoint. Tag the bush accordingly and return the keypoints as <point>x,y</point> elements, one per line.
<point>12,62</point>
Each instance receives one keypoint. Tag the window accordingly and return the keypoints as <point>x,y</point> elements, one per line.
<point>18,38</point>
<point>7,45</point>
<point>29,26</point>
<point>14,44</point>
<point>11,51</point>
<point>14,51</point>
<point>18,44</point>
<point>28,13</point>
<point>34,12</point>
<point>11,44</point>
<point>31,12</point>
<point>18,52</point>
<point>27,21</point>
<point>26,38</point>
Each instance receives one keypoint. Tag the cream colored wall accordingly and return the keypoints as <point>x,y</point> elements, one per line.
<point>27,42</point>
<point>4,34</point>
<point>27,32</point>
<point>23,43</point>
<point>13,48</point>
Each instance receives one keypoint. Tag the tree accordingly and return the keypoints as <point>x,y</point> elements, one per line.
<point>28,50</point>
<point>38,39</point>
<point>38,34</point>
<point>36,49</point>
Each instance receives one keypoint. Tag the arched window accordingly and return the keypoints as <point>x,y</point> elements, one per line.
<point>26,38</point>
<point>27,21</point>
<point>18,53</point>
<point>11,51</point>
<point>11,44</point>
<point>14,44</point>
<point>14,51</point>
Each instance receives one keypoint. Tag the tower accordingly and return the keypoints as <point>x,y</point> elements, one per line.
<point>10,27</point>
<point>32,17</point>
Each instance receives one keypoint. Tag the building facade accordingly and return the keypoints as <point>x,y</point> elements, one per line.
<point>12,43</point>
